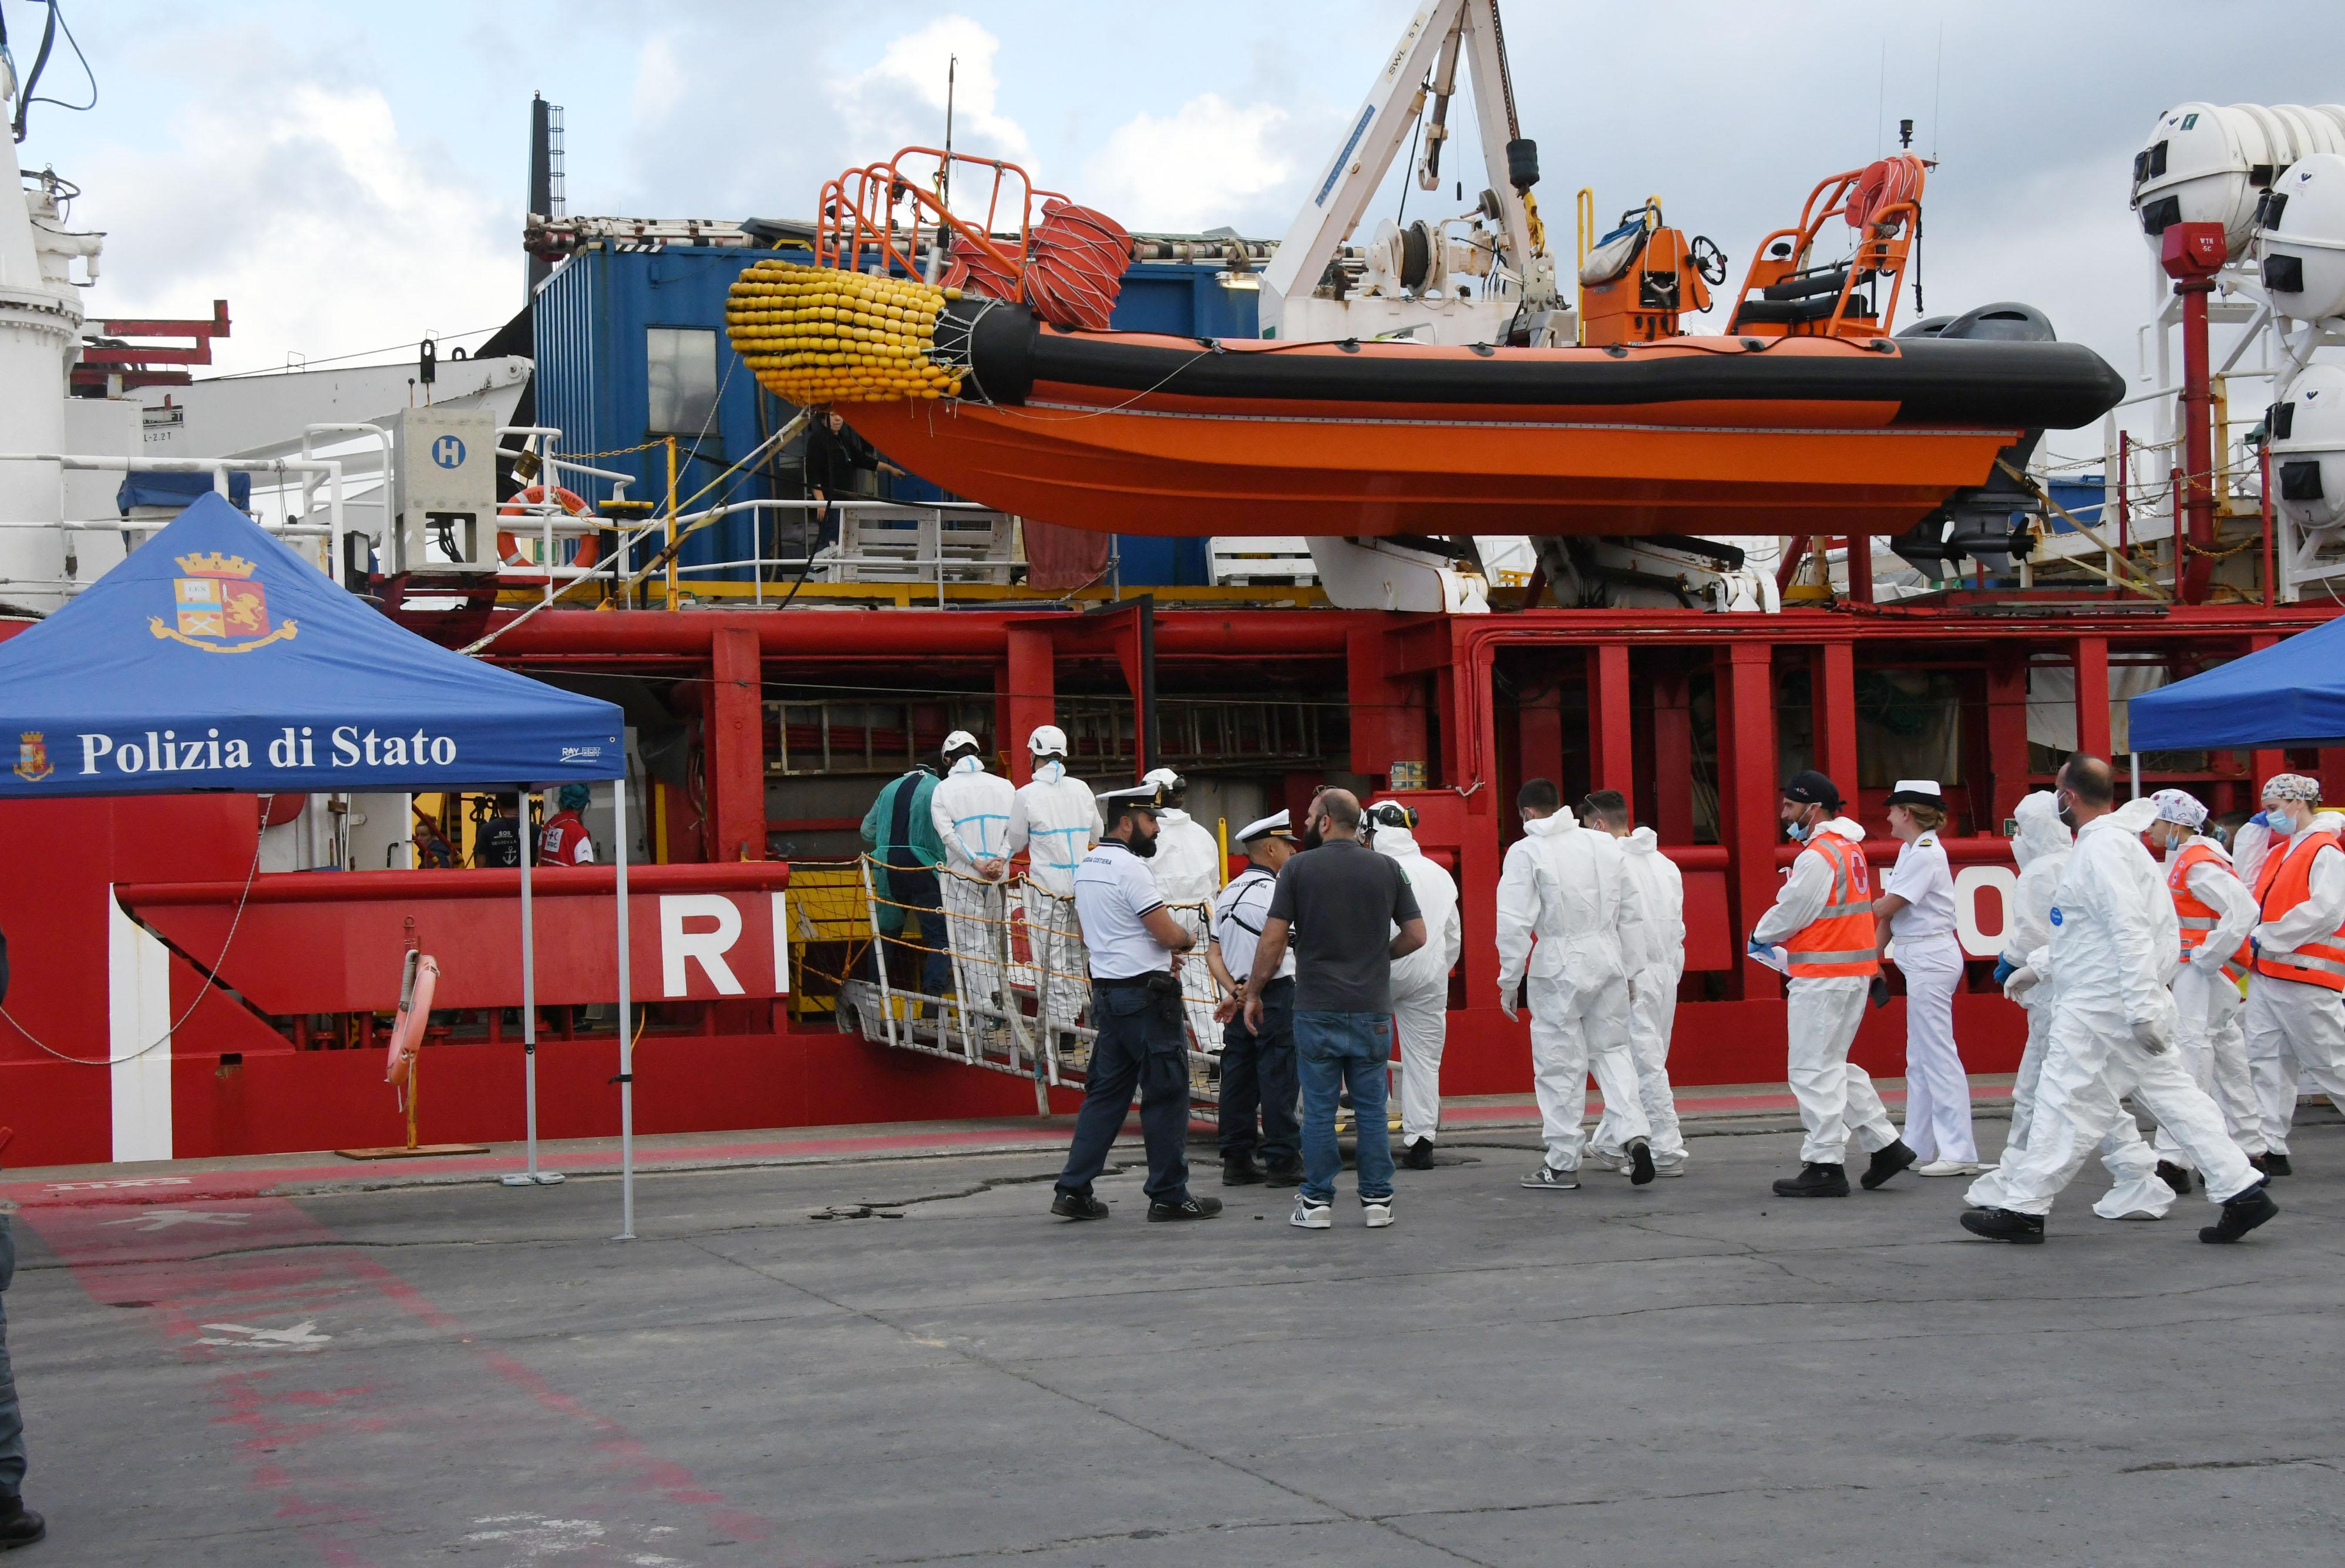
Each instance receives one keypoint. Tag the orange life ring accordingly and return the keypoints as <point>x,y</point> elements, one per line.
<point>590,547</point>
<point>407,1032</point>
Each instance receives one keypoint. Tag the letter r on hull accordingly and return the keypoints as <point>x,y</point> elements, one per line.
<point>707,948</point>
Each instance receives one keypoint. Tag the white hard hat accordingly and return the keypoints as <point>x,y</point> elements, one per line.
<point>1164,776</point>
<point>959,739</point>
<point>1047,738</point>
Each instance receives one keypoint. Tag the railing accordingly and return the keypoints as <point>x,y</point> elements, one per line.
<point>328,469</point>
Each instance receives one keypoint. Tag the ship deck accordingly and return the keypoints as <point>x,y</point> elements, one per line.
<point>885,1353</point>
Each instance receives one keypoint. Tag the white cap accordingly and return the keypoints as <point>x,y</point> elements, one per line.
<point>2177,806</point>
<point>1147,796</point>
<point>957,739</point>
<point>1275,825</point>
<point>1047,738</point>
<point>1917,792</point>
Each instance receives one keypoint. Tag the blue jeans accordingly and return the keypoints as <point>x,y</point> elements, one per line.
<point>1334,1051</point>
<point>12,1417</point>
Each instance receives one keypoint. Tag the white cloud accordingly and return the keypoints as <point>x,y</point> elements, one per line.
<point>900,101</point>
<point>1198,167</point>
<point>325,229</point>
<point>659,82</point>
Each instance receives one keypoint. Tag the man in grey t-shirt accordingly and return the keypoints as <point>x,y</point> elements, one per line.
<point>1339,901</point>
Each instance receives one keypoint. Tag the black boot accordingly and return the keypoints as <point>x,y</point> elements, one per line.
<point>19,1525</point>
<point>1077,1205</point>
<point>1641,1163</point>
<point>1240,1170</point>
<point>1284,1173</point>
<point>2174,1175</point>
<point>1418,1155</point>
<point>1814,1180</point>
<point>2241,1214</point>
<point>2275,1163</point>
<point>2006,1225</point>
<point>1886,1163</point>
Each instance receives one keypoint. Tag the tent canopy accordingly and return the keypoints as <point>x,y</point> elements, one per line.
<point>215,658</point>
<point>2290,694</point>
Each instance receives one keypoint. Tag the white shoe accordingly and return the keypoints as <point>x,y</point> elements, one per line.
<point>1310,1214</point>
<point>1547,1178</point>
<point>1948,1169</point>
<point>1676,1168</point>
<point>1376,1213</point>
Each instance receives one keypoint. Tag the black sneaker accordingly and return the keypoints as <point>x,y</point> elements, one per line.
<point>19,1525</point>
<point>2241,1214</point>
<point>2176,1176</point>
<point>1077,1205</point>
<point>1418,1155</point>
<point>1886,1163</point>
<point>1240,1170</point>
<point>1640,1162</point>
<point>2006,1225</point>
<point>1815,1180</point>
<point>1289,1175</point>
<point>1187,1208</point>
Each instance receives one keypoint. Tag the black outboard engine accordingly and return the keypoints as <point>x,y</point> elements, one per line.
<point>1987,523</point>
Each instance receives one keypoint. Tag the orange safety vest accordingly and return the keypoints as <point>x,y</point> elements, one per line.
<point>2199,918</point>
<point>1842,941</point>
<point>2283,882</point>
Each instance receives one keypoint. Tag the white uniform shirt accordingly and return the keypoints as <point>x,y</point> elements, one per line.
<point>1238,914</point>
<point>970,808</point>
<point>1923,879</point>
<point>1187,863</point>
<point>1055,824</point>
<point>1112,892</point>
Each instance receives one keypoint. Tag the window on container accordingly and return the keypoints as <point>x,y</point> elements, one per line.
<point>682,363</point>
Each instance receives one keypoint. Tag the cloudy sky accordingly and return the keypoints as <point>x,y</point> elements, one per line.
<point>350,178</point>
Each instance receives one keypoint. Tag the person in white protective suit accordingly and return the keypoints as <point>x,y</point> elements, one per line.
<point>1421,981</point>
<point>1819,930</point>
<point>1188,870</point>
<point>970,808</point>
<point>1055,819</point>
<point>2216,913</point>
<point>2114,948</point>
<point>2042,849</point>
<point>1562,884</point>
<point>1917,910</point>
<point>2296,1003</point>
<point>1652,947</point>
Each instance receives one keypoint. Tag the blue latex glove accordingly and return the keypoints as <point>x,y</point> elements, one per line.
<point>2259,821</point>
<point>2256,946</point>
<point>2003,970</point>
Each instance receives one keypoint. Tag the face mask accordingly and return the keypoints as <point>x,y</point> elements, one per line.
<point>1049,773</point>
<point>2280,821</point>
<point>1799,831</point>
<point>2067,813</point>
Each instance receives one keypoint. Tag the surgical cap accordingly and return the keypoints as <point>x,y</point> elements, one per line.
<point>2292,786</point>
<point>2179,806</point>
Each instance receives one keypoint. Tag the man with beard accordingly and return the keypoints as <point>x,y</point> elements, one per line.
<point>1136,1009</point>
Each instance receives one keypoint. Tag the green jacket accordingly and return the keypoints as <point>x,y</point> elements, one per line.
<point>916,837</point>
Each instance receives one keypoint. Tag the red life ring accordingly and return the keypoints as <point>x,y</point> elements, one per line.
<point>590,547</point>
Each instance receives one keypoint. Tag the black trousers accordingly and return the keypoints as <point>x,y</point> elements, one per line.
<point>1139,1045</point>
<point>1258,1074</point>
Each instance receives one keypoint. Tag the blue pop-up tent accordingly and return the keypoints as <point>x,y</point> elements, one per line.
<point>2290,694</point>
<point>213,658</point>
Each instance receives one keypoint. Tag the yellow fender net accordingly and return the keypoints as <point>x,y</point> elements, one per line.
<point>820,335</point>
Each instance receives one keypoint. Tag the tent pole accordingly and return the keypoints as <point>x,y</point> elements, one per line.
<point>534,1177</point>
<point>2137,776</point>
<point>626,1036</point>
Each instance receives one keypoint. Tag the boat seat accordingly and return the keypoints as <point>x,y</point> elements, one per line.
<point>1797,312</point>
<point>1804,285</point>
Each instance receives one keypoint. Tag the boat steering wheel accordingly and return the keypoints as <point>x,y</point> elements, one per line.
<point>1709,261</point>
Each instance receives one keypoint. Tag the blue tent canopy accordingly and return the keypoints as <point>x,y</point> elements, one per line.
<point>215,658</point>
<point>2290,694</point>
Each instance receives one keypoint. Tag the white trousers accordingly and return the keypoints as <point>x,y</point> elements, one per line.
<point>2295,1030</point>
<point>1835,1097</point>
<point>1421,1019</point>
<point>974,913</point>
<point>1574,1033</point>
<point>1937,1090</point>
<point>1198,992</point>
<point>2137,1192</point>
<point>1652,1013</point>
<point>1061,967</point>
<point>2215,1048</point>
<point>2090,1064</point>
